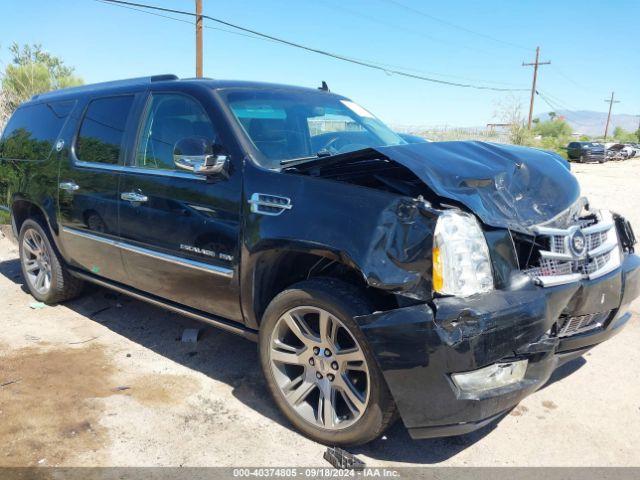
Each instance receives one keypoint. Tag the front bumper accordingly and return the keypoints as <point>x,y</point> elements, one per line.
<point>418,347</point>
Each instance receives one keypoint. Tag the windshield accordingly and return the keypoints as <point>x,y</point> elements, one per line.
<point>288,124</point>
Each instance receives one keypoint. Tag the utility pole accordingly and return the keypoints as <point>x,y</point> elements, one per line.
<point>535,79</point>
<point>610,101</point>
<point>198,38</point>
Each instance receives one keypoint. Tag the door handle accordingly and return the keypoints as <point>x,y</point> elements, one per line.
<point>134,197</point>
<point>69,186</point>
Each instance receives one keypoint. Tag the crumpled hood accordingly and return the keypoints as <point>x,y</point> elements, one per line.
<point>505,185</point>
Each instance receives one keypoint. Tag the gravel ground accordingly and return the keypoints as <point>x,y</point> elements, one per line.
<point>104,380</point>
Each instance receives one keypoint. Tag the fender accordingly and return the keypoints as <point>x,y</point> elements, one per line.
<point>386,238</point>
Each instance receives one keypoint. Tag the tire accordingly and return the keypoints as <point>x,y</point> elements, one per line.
<point>581,159</point>
<point>341,302</point>
<point>58,284</point>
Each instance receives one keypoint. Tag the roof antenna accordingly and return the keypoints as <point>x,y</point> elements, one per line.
<point>324,87</point>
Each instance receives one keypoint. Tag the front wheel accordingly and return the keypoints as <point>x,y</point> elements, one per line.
<point>319,367</point>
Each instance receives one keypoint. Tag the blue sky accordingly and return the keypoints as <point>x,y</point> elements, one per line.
<point>593,47</point>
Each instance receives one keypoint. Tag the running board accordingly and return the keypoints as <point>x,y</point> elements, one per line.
<point>168,305</point>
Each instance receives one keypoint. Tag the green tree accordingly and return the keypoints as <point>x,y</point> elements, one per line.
<point>623,136</point>
<point>556,128</point>
<point>34,71</point>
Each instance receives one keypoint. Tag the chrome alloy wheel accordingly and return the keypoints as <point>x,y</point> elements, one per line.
<point>36,262</point>
<point>319,367</point>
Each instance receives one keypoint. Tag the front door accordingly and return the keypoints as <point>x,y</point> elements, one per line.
<point>88,186</point>
<point>180,230</point>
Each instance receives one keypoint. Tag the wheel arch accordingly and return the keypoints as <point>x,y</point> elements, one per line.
<point>24,208</point>
<point>273,270</point>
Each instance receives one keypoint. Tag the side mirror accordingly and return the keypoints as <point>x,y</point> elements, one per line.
<point>199,155</point>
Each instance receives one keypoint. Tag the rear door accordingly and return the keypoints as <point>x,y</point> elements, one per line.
<point>27,157</point>
<point>88,183</point>
<point>179,230</point>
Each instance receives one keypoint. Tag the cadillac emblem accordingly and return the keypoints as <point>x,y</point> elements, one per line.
<point>578,243</point>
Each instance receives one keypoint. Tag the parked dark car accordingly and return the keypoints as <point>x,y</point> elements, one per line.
<point>586,152</point>
<point>441,281</point>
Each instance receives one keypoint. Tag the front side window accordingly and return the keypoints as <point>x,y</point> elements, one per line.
<point>288,124</point>
<point>102,129</point>
<point>33,129</point>
<point>170,118</point>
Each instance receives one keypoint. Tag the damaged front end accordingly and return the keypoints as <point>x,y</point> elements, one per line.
<point>562,276</point>
<point>507,342</point>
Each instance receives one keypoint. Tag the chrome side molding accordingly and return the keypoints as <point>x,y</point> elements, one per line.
<point>184,262</point>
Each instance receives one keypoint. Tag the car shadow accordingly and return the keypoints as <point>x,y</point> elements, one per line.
<point>233,360</point>
<point>565,370</point>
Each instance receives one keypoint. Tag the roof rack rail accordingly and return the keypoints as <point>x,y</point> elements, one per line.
<point>114,83</point>
<point>198,78</point>
<point>163,77</point>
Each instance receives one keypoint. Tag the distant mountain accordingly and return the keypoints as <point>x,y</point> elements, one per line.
<point>593,123</point>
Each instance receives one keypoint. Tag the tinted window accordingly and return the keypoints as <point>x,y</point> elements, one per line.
<point>33,130</point>
<point>169,118</point>
<point>102,129</point>
<point>285,124</point>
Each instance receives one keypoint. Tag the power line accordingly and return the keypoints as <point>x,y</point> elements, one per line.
<point>560,102</point>
<point>107,2</point>
<point>566,77</point>
<point>386,65</point>
<point>403,28</point>
<point>453,25</point>
<point>316,50</point>
<point>558,107</point>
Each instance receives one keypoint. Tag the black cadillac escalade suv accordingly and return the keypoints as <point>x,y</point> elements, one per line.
<point>440,281</point>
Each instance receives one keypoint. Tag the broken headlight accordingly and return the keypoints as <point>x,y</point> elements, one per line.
<point>461,262</point>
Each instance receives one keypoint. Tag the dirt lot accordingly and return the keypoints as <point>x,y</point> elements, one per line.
<point>104,380</point>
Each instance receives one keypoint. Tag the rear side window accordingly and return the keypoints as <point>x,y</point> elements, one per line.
<point>102,129</point>
<point>33,129</point>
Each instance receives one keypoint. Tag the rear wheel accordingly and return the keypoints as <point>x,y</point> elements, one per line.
<point>318,364</point>
<point>42,268</point>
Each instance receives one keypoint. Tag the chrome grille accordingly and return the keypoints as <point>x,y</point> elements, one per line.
<point>562,264</point>
<point>580,324</point>
<point>596,239</point>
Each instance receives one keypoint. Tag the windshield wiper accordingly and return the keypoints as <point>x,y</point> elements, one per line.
<point>319,154</point>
